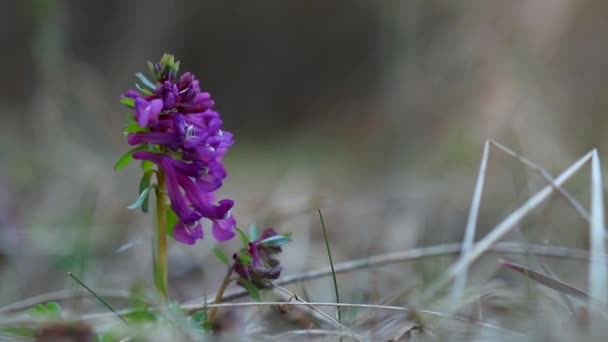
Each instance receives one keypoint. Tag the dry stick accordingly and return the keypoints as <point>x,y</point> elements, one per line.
<point>415,254</point>
<point>377,260</point>
<point>597,264</point>
<point>469,236</point>
<point>321,313</point>
<point>501,230</point>
<point>194,308</point>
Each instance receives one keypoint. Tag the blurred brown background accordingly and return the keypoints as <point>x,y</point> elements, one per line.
<point>375,112</point>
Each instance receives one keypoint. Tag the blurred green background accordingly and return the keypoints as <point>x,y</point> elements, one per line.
<point>375,112</point>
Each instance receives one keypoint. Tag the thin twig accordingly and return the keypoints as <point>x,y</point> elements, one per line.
<point>412,255</point>
<point>469,235</point>
<point>344,267</point>
<point>547,176</point>
<point>499,231</point>
<point>194,308</point>
<point>597,264</point>
<point>321,313</point>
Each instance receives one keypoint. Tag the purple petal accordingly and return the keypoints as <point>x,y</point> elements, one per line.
<point>146,113</point>
<point>131,93</point>
<point>151,156</point>
<point>179,202</point>
<point>193,169</point>
<point>223,229</point>
<point>180,124</point>
<point>156,106</point>
<point>160,138</point>
<point>208,183</point>
<point>187,234</point>
<point>200,202</point>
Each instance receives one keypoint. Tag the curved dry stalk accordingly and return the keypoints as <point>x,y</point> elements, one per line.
<point>194,308</point>
<point>584,213</point>
<point>412,255</point>
<point>315,332</point>
<point>344,267</point>
<point>64,295</point>
<point>460,279</point>
<point>319,312</point>
<point>500,230</point>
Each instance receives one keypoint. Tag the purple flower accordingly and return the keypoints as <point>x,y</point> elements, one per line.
<point>187,189</point>
<point>184,138</point>
<point>146,113</point>
<point>263,266</point>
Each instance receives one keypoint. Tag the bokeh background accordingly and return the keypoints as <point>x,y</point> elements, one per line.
<point>375,112</point>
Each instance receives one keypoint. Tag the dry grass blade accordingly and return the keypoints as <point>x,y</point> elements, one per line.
<point>547,176</point>
<point>21,321</point>
<point>546,281</point>
<point>412,255</point>
<point>597,264</point>
<point>314,332</point>
<point>318,312</point>
<point>502,229</point>
<point>469,237</point>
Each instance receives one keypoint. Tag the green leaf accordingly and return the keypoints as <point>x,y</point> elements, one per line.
<point>253,291</point>
<point>140,315</point>
<point>105,338</point>
<point>147,165</point>
<point>18,332</point>
<point>50,310</point>
<point>54,309</point>
<point>133,127</point>
<point>244,257</point>
<point>38,311</point>
<point>145,80</point>
<point>243,236</point>
<point>200,320</point>
<point>143,197</point>
<point>171,221</point>
<point>128,101</point>
<point>219,254</point>
<point>153,70</point>
<point>254,232</point>
<point>128,157</point>
<point>143,184</point>
<point>144,91</point>
<point>276,241</point>
<point>200,317</point>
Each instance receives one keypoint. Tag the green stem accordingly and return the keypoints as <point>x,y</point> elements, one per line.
<point>220,293</point>
<point>160,237</point>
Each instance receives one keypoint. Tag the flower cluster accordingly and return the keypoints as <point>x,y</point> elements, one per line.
<point>175,127</point>
<point>256,263</point>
